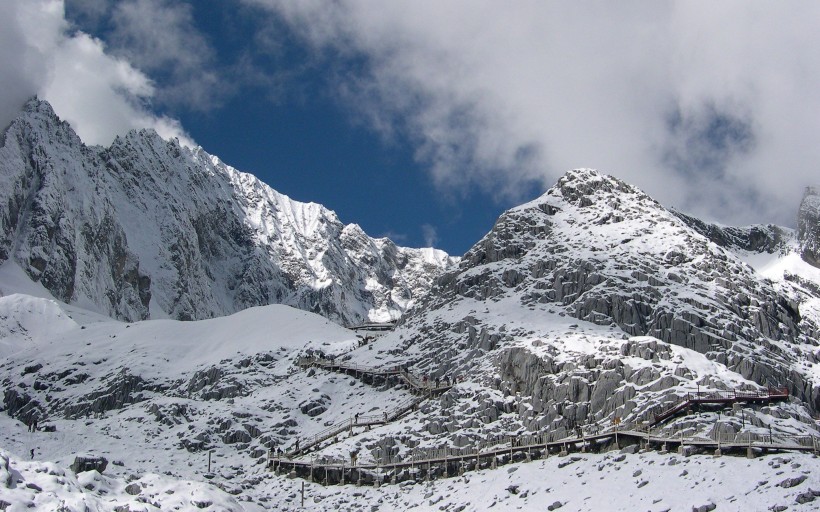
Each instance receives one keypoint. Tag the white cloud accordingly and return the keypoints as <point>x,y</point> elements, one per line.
<point>430,234</point>
<point>101,96</point>
<point>160,38</point>
<point>709,106</point>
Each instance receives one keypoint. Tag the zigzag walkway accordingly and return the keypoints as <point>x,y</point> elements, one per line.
<point>417,385</point>
<point>437,463</point>
<point>423,389</point>
<point>722,398</point>
<point>433,463</point>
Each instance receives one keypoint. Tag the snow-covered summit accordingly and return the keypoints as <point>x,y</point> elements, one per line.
<point>581,298</point>
<point>147,228</point>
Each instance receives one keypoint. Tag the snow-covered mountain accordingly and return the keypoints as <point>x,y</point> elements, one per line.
<point>147,228</point>
<point>590,303</point>
<point>594,302</point>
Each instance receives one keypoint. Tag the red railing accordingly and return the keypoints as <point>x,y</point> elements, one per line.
<point>718,397</point>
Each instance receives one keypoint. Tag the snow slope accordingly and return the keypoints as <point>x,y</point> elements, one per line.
<point>151,442</point>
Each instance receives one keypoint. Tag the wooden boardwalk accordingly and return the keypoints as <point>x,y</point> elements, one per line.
<point>691,400</point>
<point>417,385</point>
<point>442,463</point>
<point>436,463</point>
<point>421,388</point>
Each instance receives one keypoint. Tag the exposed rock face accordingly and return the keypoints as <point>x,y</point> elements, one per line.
<point>808,226</point>
<point>598,250</point>
<point>147,228</point>
<point>757,238</point>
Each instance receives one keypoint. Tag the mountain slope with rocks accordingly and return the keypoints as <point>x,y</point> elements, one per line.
<point>588,306</point>
<point>594,302</point>
<point>808,226</point>
<point>147,228</point>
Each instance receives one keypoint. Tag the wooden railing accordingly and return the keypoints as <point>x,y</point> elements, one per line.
<point>719,397</point>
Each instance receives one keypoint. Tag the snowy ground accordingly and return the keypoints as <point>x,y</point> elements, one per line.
<point>610,482</point>
<point>252,397</point>
<point>593,482</point>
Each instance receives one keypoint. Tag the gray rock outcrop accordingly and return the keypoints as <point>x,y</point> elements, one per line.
<point>598,250</point>
<point>808,226</point>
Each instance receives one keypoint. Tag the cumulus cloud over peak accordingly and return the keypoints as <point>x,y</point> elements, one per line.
<point>710,107</point>
<point>100,95</point>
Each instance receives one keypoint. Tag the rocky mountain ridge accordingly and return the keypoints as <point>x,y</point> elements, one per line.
<point>147,228</point>
<point>594,302</point>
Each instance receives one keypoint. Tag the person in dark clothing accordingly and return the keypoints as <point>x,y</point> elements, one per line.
<point>34,425</point>
<point>32,454</point>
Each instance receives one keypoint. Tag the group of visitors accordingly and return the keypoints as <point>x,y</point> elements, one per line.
<point>446,381</point>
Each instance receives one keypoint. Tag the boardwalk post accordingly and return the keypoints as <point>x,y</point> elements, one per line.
<point>750,454</point>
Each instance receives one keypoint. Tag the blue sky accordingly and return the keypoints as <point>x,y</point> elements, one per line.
<point>423,120</point>
<point>287,128</point>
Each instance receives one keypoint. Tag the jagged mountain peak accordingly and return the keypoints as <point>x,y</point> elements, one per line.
<point>594,197</point>
<point>564,289</point>
<point>36,106</point>
<point>149,228</point>
<point>594,213</point>
<point>582,182</point>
